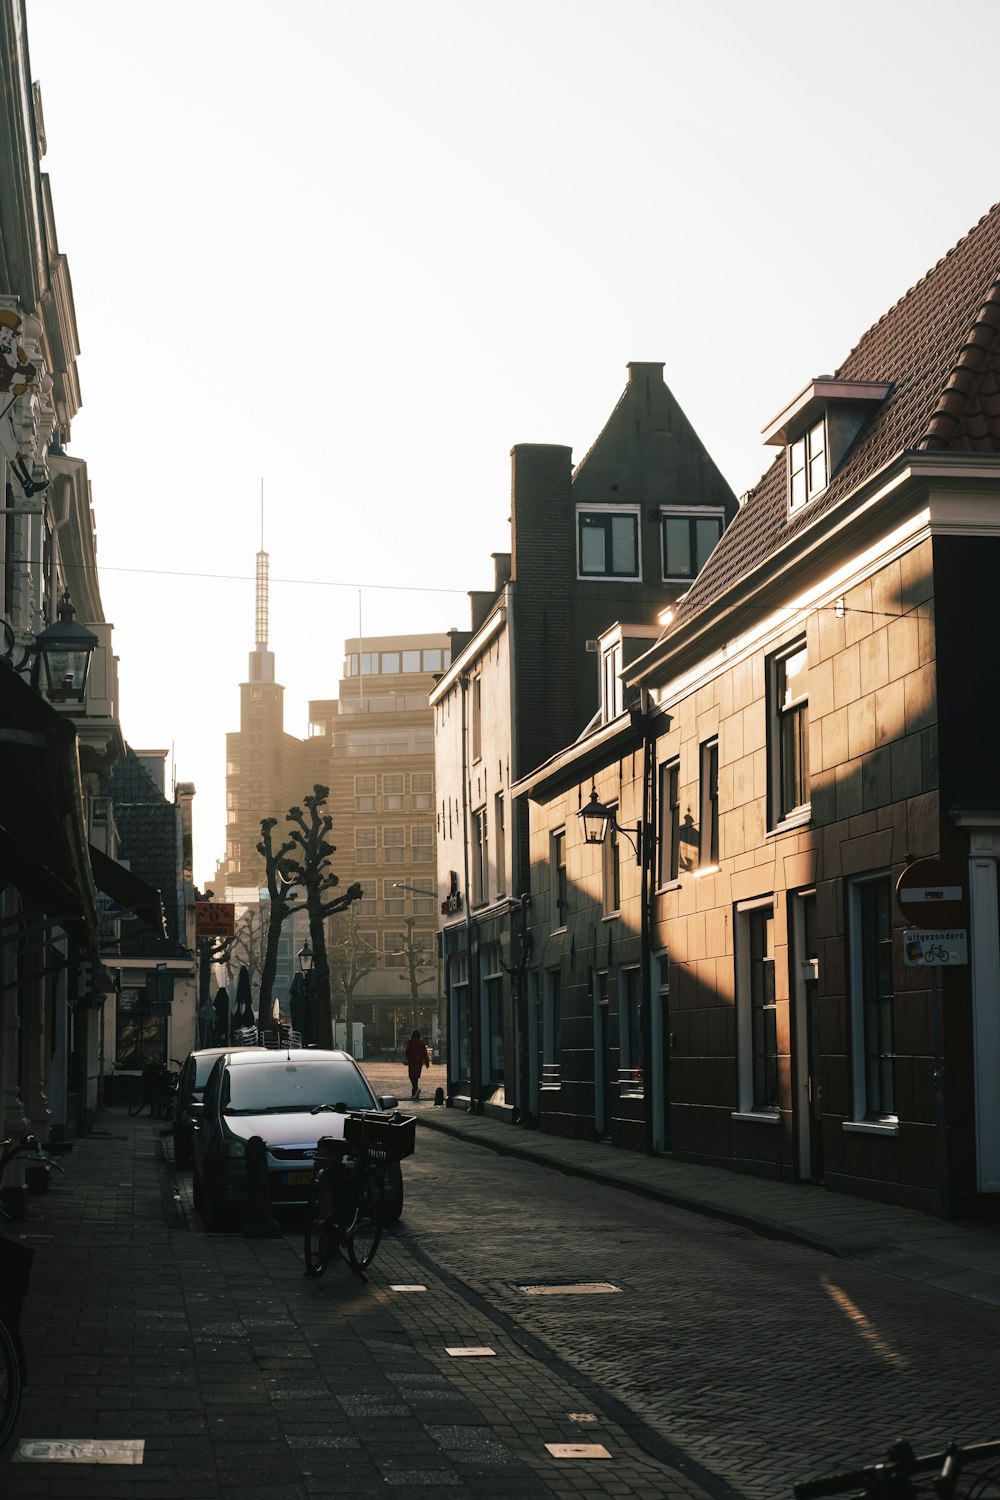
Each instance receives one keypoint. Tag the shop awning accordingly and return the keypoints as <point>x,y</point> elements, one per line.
<point>127,891</point>
<point>43,842</point>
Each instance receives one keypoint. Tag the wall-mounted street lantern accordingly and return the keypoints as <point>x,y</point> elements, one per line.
<point>597,819</point>
<point>64,652</point>
<point>306,958</point>
<point>58,659</point>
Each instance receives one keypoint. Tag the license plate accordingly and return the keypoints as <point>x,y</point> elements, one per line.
<point>296,1179</point>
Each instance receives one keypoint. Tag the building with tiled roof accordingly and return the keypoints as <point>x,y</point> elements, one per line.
<point>614,538</point>
<point>813,722</point>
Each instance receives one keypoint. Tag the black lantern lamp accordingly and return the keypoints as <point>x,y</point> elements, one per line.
<point>305,958</point>
<point>597,819</point>
<point>62,658</point>
<point>57,660</point>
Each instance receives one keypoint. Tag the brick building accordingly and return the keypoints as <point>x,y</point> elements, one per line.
<point>621,534</point>
<point>813,721</point>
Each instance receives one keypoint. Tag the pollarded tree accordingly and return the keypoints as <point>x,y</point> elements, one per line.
<point>279,873</point>
<point>307,855</point>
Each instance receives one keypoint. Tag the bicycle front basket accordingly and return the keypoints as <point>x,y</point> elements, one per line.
<point>386,1137</point>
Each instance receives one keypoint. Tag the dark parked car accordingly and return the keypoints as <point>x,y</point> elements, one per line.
<point>272,1095</point>
<point>187,1101</point>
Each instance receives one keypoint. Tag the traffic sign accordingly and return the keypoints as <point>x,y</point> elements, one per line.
<point>930,893</point>
<point>938,948</point>
<point>214,918</point>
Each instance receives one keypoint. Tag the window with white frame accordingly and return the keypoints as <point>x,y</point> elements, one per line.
<point>612,689</point>
<point>480,858</point>
<point>392,791</point>
<point>709,844</point>
<point>558,881</point>
<point>669,820</point>
<point>551,1025</point>
<point>365,845</point>
<point>687,538</point>
<point>608,540</point>
<point>364,794</point>
<point>393,901</point>
<point>756,1011</point>
<point>788,733</point>
<point>807,465</point>
<point>393,845</point>
<point>476,716</point>
<point>395,949</point>
<point>611,869</point>
<point>873,1056</point>
<point>630,1063</point>
<point>422,790</point>
<point>500,842</point>
<point>421,842</point>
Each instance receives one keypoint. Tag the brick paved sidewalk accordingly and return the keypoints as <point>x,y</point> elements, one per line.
<point>961,1258</point>
<point>237,1378</point>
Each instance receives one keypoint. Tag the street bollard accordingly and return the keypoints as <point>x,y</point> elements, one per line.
<point>439,1097</point>
<point>261,1225</point>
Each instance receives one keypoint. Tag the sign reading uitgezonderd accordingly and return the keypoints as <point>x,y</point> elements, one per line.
<point>943,947</point>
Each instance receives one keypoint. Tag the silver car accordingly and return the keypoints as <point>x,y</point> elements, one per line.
<point>273,1094</point>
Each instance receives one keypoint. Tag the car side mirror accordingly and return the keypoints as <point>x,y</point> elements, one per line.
<point>388,1102</point>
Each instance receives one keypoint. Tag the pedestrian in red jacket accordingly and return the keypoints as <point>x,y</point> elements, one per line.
<point>417,1058</point>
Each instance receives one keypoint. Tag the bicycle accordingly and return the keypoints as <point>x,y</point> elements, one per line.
<point>903,1475</point>
<point>157,1088</point>
<point>347,1197</point>
<point>15,1274</point>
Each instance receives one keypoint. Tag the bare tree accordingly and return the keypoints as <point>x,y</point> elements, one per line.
<point>351,958</point>
<point>248,943</point>
<point>306,857</point>
<point>414,958</point>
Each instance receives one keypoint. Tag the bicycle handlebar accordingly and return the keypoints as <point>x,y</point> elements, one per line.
<point>877,1479</point>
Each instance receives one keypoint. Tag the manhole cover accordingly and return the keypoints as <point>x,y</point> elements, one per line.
<point>578,1450</point>
<point>569,1289</point>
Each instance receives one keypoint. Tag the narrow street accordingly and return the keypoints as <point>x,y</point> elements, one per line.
<point>704,1361</point>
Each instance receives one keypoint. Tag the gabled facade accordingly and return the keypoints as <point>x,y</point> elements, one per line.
<point>815,719</point>
<point>619,536</point>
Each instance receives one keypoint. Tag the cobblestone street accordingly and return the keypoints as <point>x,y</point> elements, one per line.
<point>713,1362</point>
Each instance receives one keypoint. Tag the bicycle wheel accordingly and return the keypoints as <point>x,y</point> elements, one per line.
<point>137,1102</point>
<point>366,1231</point>
<point>321,1241</point>
<point>11,1383</point>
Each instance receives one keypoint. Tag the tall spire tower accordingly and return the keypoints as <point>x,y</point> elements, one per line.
<point>261,659</point>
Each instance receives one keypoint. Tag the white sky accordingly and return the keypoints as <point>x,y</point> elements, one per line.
<point>359,250</point>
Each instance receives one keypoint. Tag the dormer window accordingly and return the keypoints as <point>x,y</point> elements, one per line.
<point>807,471</point>
<point>818,430</point>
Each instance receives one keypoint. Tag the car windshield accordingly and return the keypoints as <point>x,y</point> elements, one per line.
<point>290,1087</point>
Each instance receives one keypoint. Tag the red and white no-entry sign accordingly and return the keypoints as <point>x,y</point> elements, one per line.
<point>931,893</point>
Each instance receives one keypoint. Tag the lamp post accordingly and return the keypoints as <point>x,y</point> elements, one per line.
<point>306,959</point>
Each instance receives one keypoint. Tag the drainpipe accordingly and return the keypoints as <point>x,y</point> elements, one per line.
<point>475,1038</point>
<point>647,847</point>
<point>521,1001</point>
